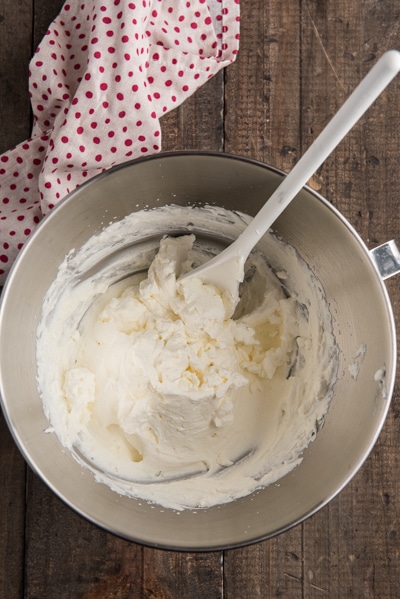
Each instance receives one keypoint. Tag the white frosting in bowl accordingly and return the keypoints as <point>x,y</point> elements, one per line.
<point>147,380</point>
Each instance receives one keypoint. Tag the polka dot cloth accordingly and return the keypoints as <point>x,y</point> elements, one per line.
<point>101,78</point>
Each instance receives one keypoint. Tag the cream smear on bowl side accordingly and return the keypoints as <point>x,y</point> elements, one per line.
<point>149,383</point>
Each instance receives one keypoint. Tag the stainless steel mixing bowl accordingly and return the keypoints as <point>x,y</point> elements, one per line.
<point>362,320</point>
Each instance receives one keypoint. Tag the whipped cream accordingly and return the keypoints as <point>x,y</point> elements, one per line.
<point>150,383</point>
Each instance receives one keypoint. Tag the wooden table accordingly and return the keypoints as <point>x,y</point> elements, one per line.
<point>297,63</point>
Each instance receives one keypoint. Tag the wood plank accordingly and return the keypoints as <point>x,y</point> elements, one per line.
<point>197,124</point>
<point>15,53</point>
<point>263,86</point>
<point>12,516</point>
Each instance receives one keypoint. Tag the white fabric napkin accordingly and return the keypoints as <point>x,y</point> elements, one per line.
<point>99,81</point>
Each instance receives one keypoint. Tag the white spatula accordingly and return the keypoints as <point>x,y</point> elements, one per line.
<point>226,270</point>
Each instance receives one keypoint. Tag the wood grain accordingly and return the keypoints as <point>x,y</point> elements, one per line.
<point>12,515</point>
<point>263,86</point>
<point>198,123</point>
<point>15,52</point>
<point>298,61</point>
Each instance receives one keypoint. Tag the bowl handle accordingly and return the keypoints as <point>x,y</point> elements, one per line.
<point>387,259</point>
